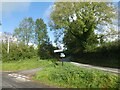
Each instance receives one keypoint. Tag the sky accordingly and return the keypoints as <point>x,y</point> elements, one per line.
<point>14,12</point>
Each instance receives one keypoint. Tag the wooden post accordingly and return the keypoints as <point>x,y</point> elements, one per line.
<point>8,46</point>
<point>62,63</point>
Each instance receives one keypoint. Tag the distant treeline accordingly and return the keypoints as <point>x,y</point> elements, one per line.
<point>20,51</point>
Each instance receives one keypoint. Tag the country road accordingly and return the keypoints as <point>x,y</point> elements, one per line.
<point>21,79</point>
<point>15,81</point>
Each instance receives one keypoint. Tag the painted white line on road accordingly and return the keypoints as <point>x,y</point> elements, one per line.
<point>9,75</point>
<point>19,77</point>
<point>25,77</point>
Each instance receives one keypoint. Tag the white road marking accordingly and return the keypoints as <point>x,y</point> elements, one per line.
<point>9,74</point>
<point>25,77</point>
<point>19,77</point>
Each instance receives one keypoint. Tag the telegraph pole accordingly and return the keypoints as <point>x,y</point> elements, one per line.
<point>8,45</point>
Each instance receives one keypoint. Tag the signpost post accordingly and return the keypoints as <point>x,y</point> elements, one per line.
<point>62,55</point>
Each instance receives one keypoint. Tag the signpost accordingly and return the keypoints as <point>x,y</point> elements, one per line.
<point>58,51</point>
<point>62,55</point>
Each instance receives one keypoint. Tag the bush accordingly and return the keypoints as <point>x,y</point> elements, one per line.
<point>17,52</point>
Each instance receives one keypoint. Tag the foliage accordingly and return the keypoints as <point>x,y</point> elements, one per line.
<point>25,30</point>
<point>110,46</point>
<point>46,51</point>
<point>75,77</point>
<point>106,55</point>
<point>17,52</point>
<point>41,32</point>
<point>78,22</point>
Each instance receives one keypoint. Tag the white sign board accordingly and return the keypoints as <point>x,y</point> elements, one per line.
<point>58,51</point>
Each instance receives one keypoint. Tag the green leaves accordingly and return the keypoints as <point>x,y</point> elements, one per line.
<point>46,51</point>
<point>25,30</point>
<point>17,52</point>
<point>79,20</point>
<point>40,32</point>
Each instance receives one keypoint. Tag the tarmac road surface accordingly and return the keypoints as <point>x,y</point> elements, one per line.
<point>15,81</point>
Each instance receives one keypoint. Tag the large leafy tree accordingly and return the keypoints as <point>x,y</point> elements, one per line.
<point>25,30</point>
<point>78,20</point>
<point>45,48</point>
<point>41,32</point>
<point>45,51</point>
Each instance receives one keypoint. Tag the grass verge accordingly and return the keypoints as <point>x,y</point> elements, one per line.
<point>24,64</point>
<point>70,76</point>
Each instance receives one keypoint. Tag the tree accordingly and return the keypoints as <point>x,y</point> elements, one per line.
<point>46,51</point>
<point>25,30</point>
<point>79,20</point>
<point>41,32</point>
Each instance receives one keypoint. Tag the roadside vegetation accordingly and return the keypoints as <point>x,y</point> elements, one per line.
<point>25,64</point>
<point>79,37</point>
<point>107,55</point>
<point>70,76</point>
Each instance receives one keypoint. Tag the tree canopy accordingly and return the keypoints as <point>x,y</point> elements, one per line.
<point>79,20</point>
<point>41,32</point>
<point>25,30</point>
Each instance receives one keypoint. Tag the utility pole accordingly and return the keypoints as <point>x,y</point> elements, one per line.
<point>8,45</point>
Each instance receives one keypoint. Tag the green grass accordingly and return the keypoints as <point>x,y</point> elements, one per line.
<point>70,76</point>
<point>24,64</point>
<point>0,65</point>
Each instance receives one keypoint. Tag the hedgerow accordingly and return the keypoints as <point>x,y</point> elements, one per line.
<point>17,52</point>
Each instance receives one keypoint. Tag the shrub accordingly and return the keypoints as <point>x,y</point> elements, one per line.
<point>17,52</point>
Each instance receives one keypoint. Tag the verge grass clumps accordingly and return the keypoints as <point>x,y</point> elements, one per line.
<point>71,76</point>
<point>24,64</point>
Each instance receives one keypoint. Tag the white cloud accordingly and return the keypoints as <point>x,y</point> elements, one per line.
<point>0,11</point>
<point>16,0</point>
<point>9,7</point>
<point>47,12</point>
<point>28,0</point>
<point>59,0</point>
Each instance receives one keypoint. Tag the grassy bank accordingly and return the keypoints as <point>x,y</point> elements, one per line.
<point>24,64</point>
<point>70,76</point>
